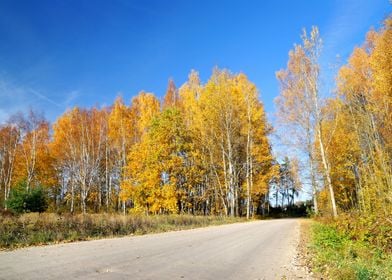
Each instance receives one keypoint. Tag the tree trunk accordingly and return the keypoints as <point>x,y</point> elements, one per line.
<point>327,171</point>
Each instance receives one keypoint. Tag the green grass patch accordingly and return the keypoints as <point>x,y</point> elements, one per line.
<point>338,256</point>
<point>45,228</point>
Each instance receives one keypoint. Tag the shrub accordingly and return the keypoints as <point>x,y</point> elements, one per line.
<point>22,200</point>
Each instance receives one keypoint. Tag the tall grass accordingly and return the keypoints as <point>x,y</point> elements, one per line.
<point>35,229</point>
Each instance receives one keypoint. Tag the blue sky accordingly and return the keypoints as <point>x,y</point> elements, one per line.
<point>58,54</point>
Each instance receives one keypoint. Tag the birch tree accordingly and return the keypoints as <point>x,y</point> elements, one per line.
<point>9,138</point>
<point>299,105</point>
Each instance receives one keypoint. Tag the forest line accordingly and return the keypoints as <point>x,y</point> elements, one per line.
<point>203,150</point>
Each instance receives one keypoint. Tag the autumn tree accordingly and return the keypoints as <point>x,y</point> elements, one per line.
<point>118,144</point>
<point>365,93</point>
<point>232,133</point>
<point>9,139</point>
<point>156,170</point>
<point>299,106</point>
<point>259,168</point>
<point>144,107</point>
<point>171,98</point>
<point>78,145</point>
<point>220,126</point>
<point>34,160</point>
<point>204,197</point>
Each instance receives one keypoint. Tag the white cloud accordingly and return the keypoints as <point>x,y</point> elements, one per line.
<point>15,98</point>
<point>12,99</point>
<point>44,97</point>
<point>70,97</point>
<point>349,24</point>
<point>346,29</point>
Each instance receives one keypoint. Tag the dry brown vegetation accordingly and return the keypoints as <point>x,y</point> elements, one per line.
<point>36,229</point>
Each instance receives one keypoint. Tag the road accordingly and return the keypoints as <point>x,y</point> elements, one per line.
<point>253,250</point>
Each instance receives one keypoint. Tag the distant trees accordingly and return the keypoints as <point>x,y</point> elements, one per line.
<point>287,184</point>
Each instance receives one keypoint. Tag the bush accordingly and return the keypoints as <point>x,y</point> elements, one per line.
<point>36,200</point>
<point>372,228</point>
<point>22,200</point>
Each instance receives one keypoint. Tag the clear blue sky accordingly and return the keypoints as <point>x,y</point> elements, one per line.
<point>57,54</point>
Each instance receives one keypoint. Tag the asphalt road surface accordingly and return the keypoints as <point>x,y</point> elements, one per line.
<point>253,250</point>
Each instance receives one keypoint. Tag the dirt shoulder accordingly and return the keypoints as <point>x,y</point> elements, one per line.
<point>301,264</point>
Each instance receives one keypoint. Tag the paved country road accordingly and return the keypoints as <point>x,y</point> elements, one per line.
<point>253,250</point>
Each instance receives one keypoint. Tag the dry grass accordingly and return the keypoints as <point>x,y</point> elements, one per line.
<point>36,229</point>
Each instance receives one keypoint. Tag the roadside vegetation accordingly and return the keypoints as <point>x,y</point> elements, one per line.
<point>46,228</point>
<point>342,253</point>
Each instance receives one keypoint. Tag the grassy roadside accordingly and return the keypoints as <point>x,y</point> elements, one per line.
<point>337,256</point>
<point>46,228</point>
